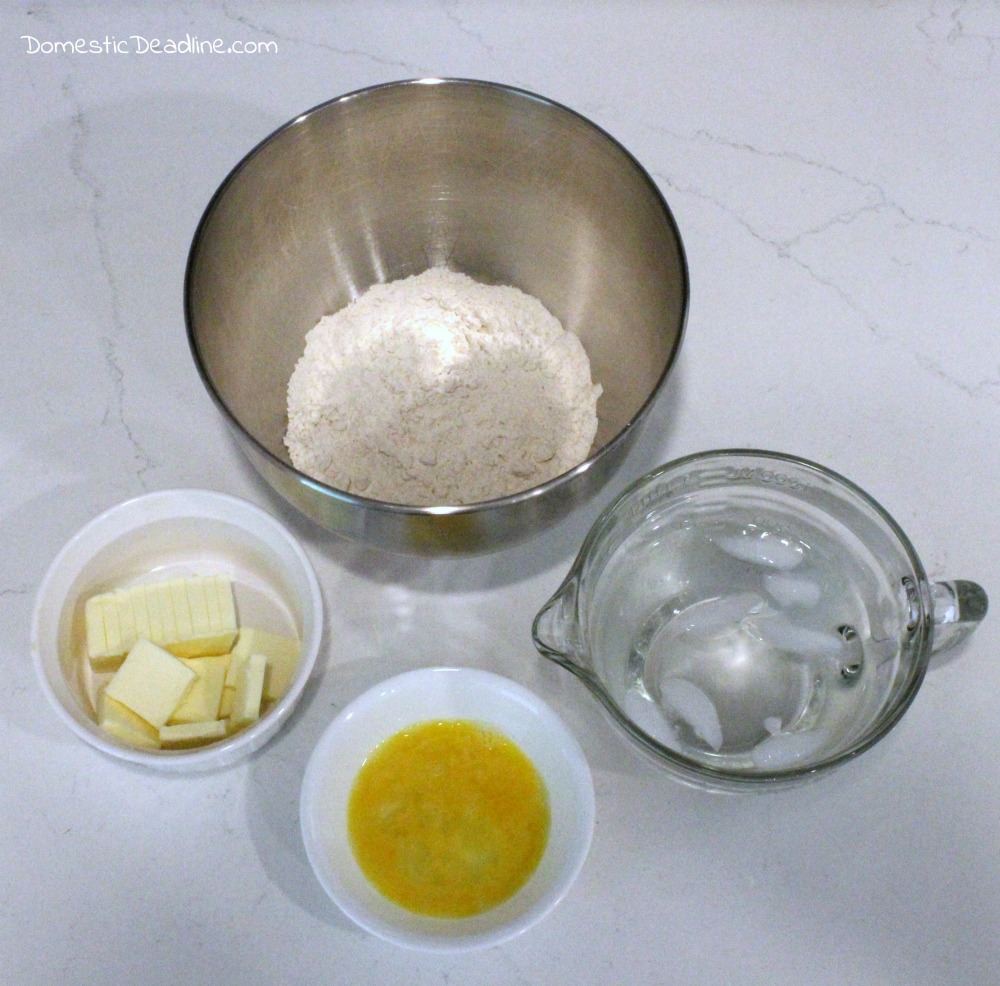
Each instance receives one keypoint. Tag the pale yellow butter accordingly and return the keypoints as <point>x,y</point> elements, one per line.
<point>93,616</point>
<point>135,599</point>
<point>227,603</point>
<point>248,693</point>
<point>201,703</point>
<point>165,599</point>
<point>157,629</point>
<point>126,619</point>
<point>175,682</point>
<point>109,655</point>
<point>150,682</point>
<point>226,702</point>
<point>187,734</point>
<point>213,611</point>
<point>122,723</point>
<point>200,623</point>
<point>209,636</point>
<point>182,608</point>
<point>172,614</point>
<point>282,655</point>
<point>112,626</point>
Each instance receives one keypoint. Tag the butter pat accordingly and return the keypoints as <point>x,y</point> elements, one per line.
<point>136,601</point>
<point>187,734</point>
<point>126,622</point>
<point>97,641</point>
<point>150,682</point>
<point>282,655</point>
<point>248,693</point>
<point>159,630</point>
<point>192,617</point>
<point>122,723</point>
<point>184,673</point>
<point>213,618</point>
<point>226,702</point>
<point>200,622</point>
<point>201,703</point>
<point>182,608</point>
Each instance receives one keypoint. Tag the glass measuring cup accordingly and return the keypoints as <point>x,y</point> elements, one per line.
<point>751,618</point>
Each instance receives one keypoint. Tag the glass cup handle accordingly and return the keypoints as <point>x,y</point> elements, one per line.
<point>958,607</point>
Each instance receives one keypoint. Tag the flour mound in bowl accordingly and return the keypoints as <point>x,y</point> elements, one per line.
<point>436,389</point>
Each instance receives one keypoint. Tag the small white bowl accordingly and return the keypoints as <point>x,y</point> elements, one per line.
<point>446,693</point>
<point>173,533</point>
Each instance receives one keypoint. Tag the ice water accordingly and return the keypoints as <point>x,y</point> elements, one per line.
<point>746,644</point>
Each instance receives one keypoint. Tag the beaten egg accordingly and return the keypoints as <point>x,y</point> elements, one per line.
<point>448,818</point>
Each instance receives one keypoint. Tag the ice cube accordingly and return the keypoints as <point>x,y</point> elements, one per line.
<point>688,702</point>
<point>772,724</point>
<point>787,749</point>
<point>706,617</point>
<point>791,590</point>
<point>761,548</point>
<point>802,641</point>
<point>638,706</point>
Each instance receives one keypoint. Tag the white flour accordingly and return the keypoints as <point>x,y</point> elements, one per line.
<point>436,389</point>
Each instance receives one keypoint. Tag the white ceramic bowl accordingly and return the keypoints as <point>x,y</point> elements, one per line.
<point>446,693</point>
<point>174,533</point>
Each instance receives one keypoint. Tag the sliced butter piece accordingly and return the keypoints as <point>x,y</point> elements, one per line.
<point>93,618</point>
<point>182,609</point>
<point>201,703</point>
<point>165,600</point>
<point>195,591</point>
<point>282,655</point>
<point>226,702</point>
<point>122,723</point>
<point>136,599</point>
<point>183,735</point>
<point>97,640</point>
<point>213,611</point>
<point>126,619</point>
<point>173,614</point>
<point>227,602</point>
<point>208,637</point>
<point>153,611</point>
<point>112,626</point>
<point>103,625</point>
<point>248,693</point>
<point>150,682</point>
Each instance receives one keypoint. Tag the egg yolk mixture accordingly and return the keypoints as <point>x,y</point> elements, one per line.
<point>448,818</point>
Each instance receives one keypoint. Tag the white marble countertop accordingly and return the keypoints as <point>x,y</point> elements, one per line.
<point>833,170</point>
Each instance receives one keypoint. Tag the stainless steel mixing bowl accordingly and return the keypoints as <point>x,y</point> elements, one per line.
<point>498,183</point>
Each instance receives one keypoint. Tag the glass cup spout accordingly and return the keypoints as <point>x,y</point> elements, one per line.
<point>556,628</point>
